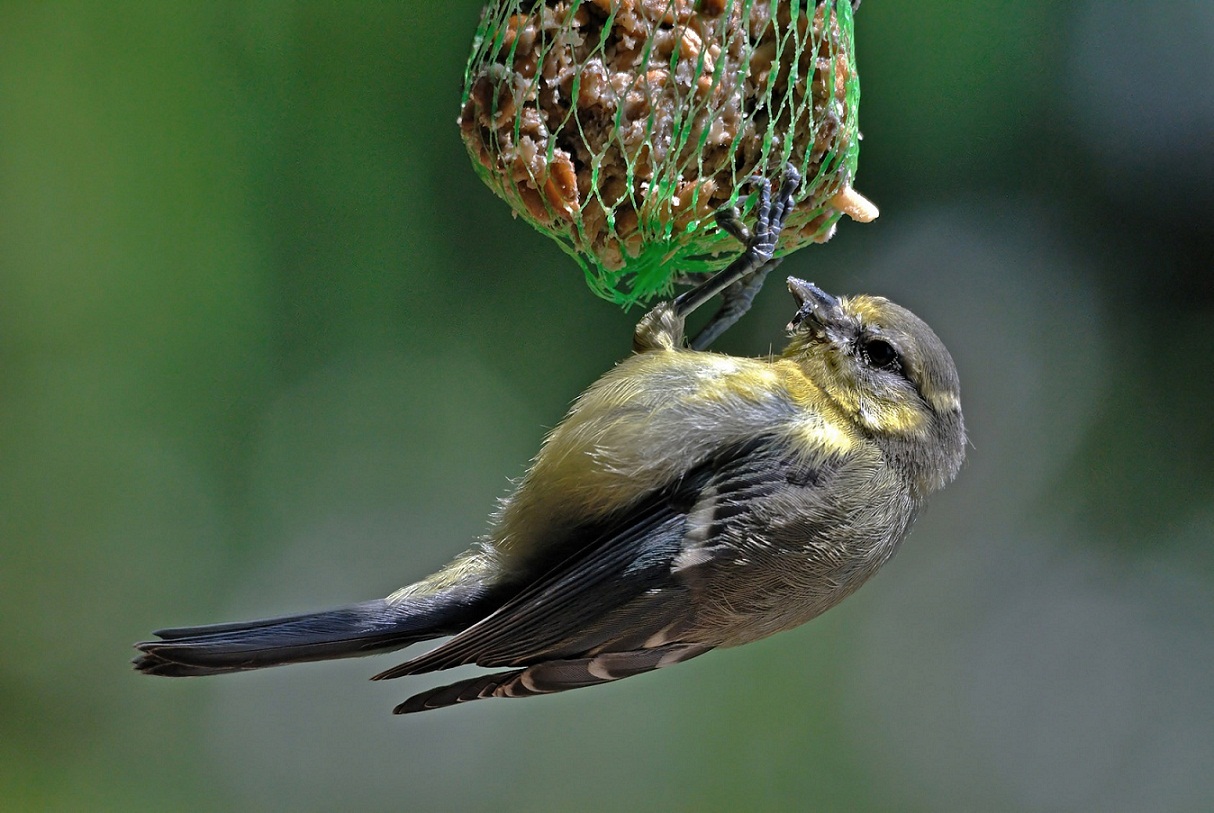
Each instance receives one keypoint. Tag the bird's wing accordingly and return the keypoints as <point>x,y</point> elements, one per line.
<point>549,617</point>
<point>552,676</point>
<point>618,592</point>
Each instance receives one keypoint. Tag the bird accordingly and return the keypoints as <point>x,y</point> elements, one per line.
<point>690,500</point>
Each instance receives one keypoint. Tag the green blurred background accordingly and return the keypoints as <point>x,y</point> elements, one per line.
<point>266,344</point>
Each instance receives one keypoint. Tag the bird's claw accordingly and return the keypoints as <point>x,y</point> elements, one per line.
<point>755,261</point>
<point>770,215</point>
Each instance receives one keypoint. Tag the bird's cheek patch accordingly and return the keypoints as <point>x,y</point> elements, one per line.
<point>891,419</point>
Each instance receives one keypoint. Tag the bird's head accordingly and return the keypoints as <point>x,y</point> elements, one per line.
<point>889,373</point>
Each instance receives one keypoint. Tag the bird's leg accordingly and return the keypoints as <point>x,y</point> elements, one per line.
<point>663,327</point>
<point>742,283</point>
<point>735,302</point>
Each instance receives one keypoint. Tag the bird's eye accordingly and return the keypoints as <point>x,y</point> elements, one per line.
<point>880,354</point>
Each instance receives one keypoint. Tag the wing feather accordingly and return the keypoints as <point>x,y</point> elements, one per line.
<point>624,589</point>
<point>551,676</point>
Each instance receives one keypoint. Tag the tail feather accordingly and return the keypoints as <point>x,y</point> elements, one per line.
<point>358,629</point>
<point>174,633</point>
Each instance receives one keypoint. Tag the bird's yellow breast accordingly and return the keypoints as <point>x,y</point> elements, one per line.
<point>654,417</point>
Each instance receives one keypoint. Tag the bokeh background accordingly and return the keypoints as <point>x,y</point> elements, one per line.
<point>266,344</point>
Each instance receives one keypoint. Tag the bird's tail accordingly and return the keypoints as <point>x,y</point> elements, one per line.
<point>359,629</point>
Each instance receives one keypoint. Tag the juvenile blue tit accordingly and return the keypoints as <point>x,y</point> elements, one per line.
<point>688,501</point>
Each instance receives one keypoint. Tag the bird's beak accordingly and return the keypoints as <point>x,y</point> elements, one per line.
<point>814,305</point>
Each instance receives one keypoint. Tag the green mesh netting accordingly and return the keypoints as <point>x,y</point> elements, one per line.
<point>619,127</point>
